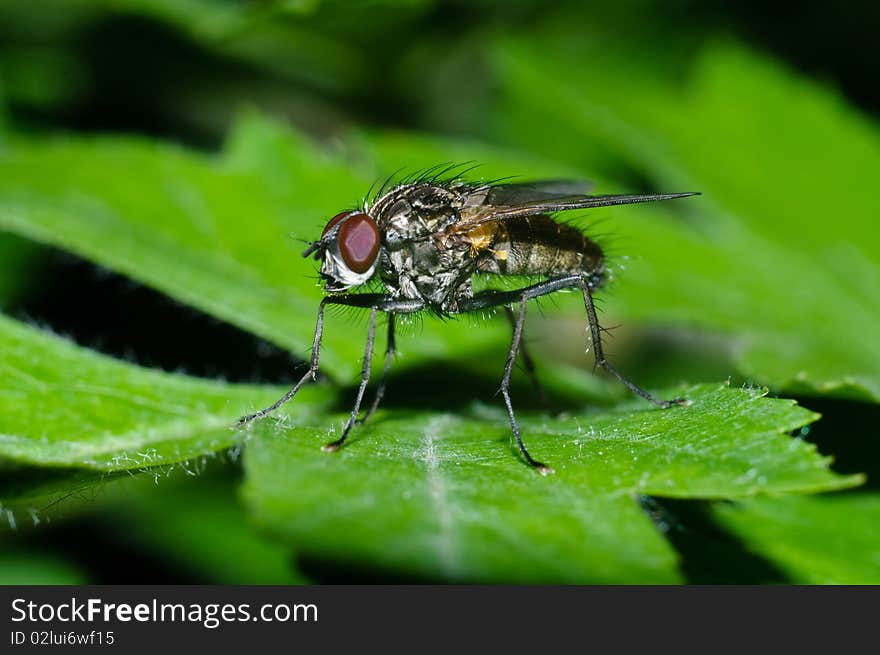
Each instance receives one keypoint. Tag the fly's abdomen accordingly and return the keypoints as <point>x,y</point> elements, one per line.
<point>538,245</point>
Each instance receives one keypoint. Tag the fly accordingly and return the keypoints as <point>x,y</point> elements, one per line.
<point>427,238</point>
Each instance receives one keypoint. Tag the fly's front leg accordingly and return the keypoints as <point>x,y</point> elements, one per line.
<point>373,301</point>
<point>365,379</point>
<point>376,303</point>
<point>596,339</point>
<point>312,373</point>
<point>543,469</point>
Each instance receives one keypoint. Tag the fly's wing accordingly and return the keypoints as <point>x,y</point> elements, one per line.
<point>500,202</point>
<point>500,195</point>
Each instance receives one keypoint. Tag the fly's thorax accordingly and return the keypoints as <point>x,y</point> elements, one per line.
<point>412,212</point>
<point>432,269</point>
<point>416,262</point>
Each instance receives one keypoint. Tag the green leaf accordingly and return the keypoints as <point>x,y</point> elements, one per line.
<point>18,567</point>
<point>784,239</point>
<point>418,493</point>
<point>832,539</point>
<point>64,406</point>
<point>438,496</point>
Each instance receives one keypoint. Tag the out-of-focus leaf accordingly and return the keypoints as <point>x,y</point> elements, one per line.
<point>18,263</point>
<point>832,539</point>
<point>304,41</point>
<point>40,77</point>
<point>18,567</point>
<point>781,252</point>
<point>197,526</point>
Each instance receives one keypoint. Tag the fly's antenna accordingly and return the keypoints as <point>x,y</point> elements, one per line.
<point>314,246</point>
<point>317,247</point>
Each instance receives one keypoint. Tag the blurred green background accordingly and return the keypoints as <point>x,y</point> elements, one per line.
<point>770,280</point>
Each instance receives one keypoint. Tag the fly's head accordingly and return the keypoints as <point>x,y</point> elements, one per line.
<point>348,250</point>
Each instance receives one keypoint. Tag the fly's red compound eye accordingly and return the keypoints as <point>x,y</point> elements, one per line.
<point>358,240</point>
<point>333,221</point>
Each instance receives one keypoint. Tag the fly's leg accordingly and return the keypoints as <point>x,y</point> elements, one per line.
<point>543,469</point>
<point>596,339</point>
<point>376,303</point>
<point>492,298</point>
<point>389,357</point>
<point>528,362</point>
<point>365,378</point>
<point>312,373</point>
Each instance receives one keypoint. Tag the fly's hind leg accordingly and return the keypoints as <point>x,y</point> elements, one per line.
<point>528,362</point>
<point>543,469</point>
<point>490,298</point>
<point>598,353</point>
